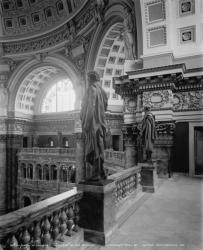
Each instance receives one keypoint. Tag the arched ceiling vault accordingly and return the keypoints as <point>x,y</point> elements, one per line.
<point>30,81</point>
<point>22,19</point>
<point>33,85</point>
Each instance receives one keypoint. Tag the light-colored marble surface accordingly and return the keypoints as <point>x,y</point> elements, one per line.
<point>172,218</point>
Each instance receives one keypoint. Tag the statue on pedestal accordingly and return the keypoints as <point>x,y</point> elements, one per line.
<point>129,36</point>
<point>93,110</point>
<point>148,133</point>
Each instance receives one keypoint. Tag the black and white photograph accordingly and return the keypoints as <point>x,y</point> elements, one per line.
<point>101,124</point>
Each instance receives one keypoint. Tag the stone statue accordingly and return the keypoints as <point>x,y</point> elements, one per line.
<point>100,7</point>
<point>93,110</point>
<point>148,132</point>
<point>129,36</point>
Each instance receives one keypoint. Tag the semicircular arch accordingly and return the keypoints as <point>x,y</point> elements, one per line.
<point>58,62</point>
<point>113,15</point>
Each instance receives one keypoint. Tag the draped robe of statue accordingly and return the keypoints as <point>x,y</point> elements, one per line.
<point>148,133</point>
<point>93,125</point>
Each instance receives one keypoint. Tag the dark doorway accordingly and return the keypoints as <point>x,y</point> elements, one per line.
<point>115,142</point>
<point>181,148</point>
<point>26,201</point>
<point>25,142</point>
<point>199,150</point>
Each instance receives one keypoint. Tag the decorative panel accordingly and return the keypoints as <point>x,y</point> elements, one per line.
<point>187,34</point>
<point>188,101</point>
<point>156,36</point>
<point>158,99</point>
<point>155,11</point>
<point>186,7</point>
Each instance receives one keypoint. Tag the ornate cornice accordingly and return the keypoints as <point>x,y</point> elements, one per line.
<point>135,82</point>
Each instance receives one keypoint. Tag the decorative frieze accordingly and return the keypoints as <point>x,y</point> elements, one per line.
<point>158,99</point>
<point>188,101</point>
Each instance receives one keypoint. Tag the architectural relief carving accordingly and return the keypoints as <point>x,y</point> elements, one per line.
<point>165,128</point>
<point>18,126</point>
<point>65,33</point>
<point>31,18</point>
<point>100,9</point>
<point>188,100</point>
<point>55,126</point>
<point>158,99</point>
<point>130,105</point>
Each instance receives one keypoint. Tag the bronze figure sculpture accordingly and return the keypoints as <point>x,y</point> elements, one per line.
<point>93,110</point>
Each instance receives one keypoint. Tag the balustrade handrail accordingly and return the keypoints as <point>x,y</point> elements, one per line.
<point>37,150</point>
<point>110,154</point>
<point>125,173</point>
<point>10,223</point>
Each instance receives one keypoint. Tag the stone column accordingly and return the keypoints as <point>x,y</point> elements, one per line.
<point>80,151</point>
<point>130,146</point>
<point>2,172</point>
<point>14,142</point>
<point>4,74</point>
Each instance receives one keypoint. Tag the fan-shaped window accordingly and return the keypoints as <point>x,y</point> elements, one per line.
<point>61,97</point>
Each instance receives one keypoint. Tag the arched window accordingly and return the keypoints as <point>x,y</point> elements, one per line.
<point>64,174</point>
<point>46,172</point>
<point>39,172</point>
<point>26,201</point>
<point>23,170</point>
<point>50,142</point>
<point>65,142</point>
<point>30,171</point>
<point>61,97</point>
<point>53,172</point>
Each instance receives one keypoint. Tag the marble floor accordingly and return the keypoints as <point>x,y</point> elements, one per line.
<point>171,219</point>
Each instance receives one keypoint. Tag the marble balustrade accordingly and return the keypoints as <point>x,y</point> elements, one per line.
<point>41,224</point>
<point>127,182</point>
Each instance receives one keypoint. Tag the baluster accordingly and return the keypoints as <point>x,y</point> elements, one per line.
<point>12,243</point>
<point>77,217</point>
<point>36,236</point>
<point>46,235</point>
<point>25,240</point>
<point>31,232</point>
<point>70,222</point>
<point>63,226</point>
<point>55,228</point>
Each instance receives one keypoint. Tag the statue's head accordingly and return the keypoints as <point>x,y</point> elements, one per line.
<point>147,109</point>
<point>93,76</point>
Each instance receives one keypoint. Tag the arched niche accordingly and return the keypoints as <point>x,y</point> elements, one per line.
<point>56,62</point>
<point>113,15</point>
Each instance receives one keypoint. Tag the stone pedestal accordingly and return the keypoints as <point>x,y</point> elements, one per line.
<point>131,155</point>
<point>148,177</point>
<point>97,211</point>
<point>80,161</point>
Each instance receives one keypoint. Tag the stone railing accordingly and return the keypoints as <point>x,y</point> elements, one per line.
<point>127,182</point>
<point>45,184</point>
<point>115,157</point>
<point>41,224</point>
<point>52,151</point>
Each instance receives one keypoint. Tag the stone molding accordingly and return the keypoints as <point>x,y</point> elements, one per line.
<point>63,34</point>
